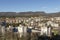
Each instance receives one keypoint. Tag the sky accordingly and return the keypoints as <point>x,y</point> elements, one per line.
<point>48,6</point>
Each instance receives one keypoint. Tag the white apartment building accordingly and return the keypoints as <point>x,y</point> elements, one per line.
<point>46,31</point>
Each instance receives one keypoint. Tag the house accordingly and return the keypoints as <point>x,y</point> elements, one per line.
<point>46,31</point>
<point>22,30</point>
<point>43,30</point>
<point>9,28</point>
<point>52,24</point>
<point>3,30</point>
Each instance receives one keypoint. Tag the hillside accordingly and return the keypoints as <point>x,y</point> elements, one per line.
<point>8,14</point>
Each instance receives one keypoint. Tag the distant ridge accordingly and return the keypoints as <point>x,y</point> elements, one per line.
<point>7,14</point>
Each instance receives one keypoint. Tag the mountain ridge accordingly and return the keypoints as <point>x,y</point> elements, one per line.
<point>29,14</point>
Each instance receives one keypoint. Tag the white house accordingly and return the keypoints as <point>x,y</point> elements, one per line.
<point>52,24</point>
<point>46,31</point>
<point>22,30</point>
<point>3,30</point>
<point>9,28</point>
<point>43,30</point>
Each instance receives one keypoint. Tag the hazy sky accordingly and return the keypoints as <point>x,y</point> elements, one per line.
<point>29,5</point>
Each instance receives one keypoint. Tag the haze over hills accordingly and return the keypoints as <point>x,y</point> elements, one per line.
<point>28,14</point>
